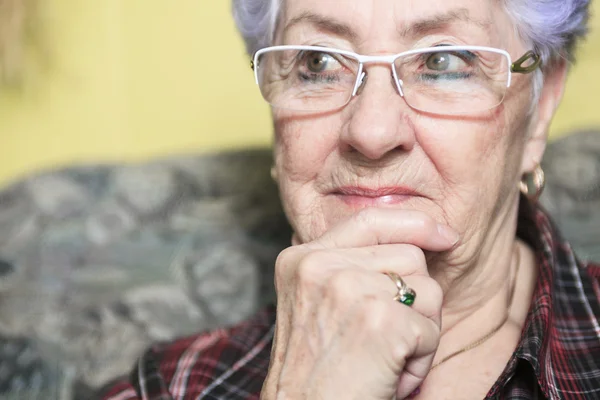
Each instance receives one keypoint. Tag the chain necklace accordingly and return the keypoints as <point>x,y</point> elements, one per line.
<point>488,335</point>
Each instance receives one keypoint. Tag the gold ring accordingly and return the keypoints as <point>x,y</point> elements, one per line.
<point>405,294</point>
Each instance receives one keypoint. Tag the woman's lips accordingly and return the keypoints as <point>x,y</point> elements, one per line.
<point>369,197</point>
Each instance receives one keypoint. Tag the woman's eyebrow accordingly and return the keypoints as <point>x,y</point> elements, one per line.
<point>415,29</point>
<point>439,21</point>
<point>323,23</point>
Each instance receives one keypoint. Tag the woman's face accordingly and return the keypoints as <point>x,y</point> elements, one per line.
<point>377,151</point>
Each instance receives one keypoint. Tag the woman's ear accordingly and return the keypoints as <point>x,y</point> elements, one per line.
<point>552,92</point>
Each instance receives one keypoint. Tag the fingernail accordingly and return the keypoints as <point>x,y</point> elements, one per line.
<point>448,233</point>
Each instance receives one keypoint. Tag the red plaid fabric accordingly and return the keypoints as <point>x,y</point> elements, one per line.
<point>558,356</point>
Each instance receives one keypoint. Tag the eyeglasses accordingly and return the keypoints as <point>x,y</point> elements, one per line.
<point>448,80</point>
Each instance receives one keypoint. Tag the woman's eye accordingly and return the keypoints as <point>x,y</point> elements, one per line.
<point>318,62</point>
<point>444,62</point>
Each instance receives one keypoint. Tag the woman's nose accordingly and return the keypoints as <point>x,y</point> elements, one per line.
<point>379,119</point>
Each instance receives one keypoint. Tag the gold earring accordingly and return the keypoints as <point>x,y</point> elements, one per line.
<point>538,179</point>
<point>274,175</point>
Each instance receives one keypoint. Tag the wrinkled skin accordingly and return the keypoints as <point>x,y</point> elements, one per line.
<point>452,238</point>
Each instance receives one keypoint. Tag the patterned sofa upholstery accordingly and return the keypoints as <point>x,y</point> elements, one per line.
<point>97,262</point>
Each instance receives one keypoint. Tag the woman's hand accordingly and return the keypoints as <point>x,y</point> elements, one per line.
<point>339,334</point>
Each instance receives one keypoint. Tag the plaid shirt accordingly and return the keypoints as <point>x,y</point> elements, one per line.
<point>558,356</point>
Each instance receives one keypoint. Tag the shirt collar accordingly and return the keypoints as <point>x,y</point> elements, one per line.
<point>560,310</point>
<point>536,229</point>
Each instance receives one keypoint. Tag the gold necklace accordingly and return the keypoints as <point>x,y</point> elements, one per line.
<point>496,328</point>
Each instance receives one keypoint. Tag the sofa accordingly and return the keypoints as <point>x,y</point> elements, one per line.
<point>99,261</point>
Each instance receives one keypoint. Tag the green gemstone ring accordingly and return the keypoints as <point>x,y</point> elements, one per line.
<point>405,294</point>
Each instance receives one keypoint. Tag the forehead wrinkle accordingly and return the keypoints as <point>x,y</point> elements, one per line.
<point>322,23</point>
<point>442,20</point>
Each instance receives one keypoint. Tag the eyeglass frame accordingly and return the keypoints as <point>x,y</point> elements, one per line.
<point>516,67</point>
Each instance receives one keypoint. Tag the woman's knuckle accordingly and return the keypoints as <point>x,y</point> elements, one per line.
<point>307,271</point>
<point>294,267</point>
<point>435,297</point>
<point>312,263</point>
<point>375,314</point>
<point>416,254</point>
<point>341,285</point>
<point>427,336</point>
<point>400,351</point>
<point>285,258</point>
<point>437,293</point>
<point>286,253</point>
<point>281,268</point>
<point>417,334</point>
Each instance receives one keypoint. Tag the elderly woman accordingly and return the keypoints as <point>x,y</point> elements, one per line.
<point>408,137</point>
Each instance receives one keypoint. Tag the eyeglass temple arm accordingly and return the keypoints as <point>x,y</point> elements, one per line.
<point>252,60</point>
<point>531,58</point>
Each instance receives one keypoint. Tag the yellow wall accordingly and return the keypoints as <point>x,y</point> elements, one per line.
<point>140,78</point>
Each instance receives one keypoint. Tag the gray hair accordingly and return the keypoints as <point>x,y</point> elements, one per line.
<point>256,21</point>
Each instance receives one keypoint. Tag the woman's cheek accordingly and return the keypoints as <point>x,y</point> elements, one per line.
<point>304,144</point>
<point>303,209</point>
<point>461,149</point>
